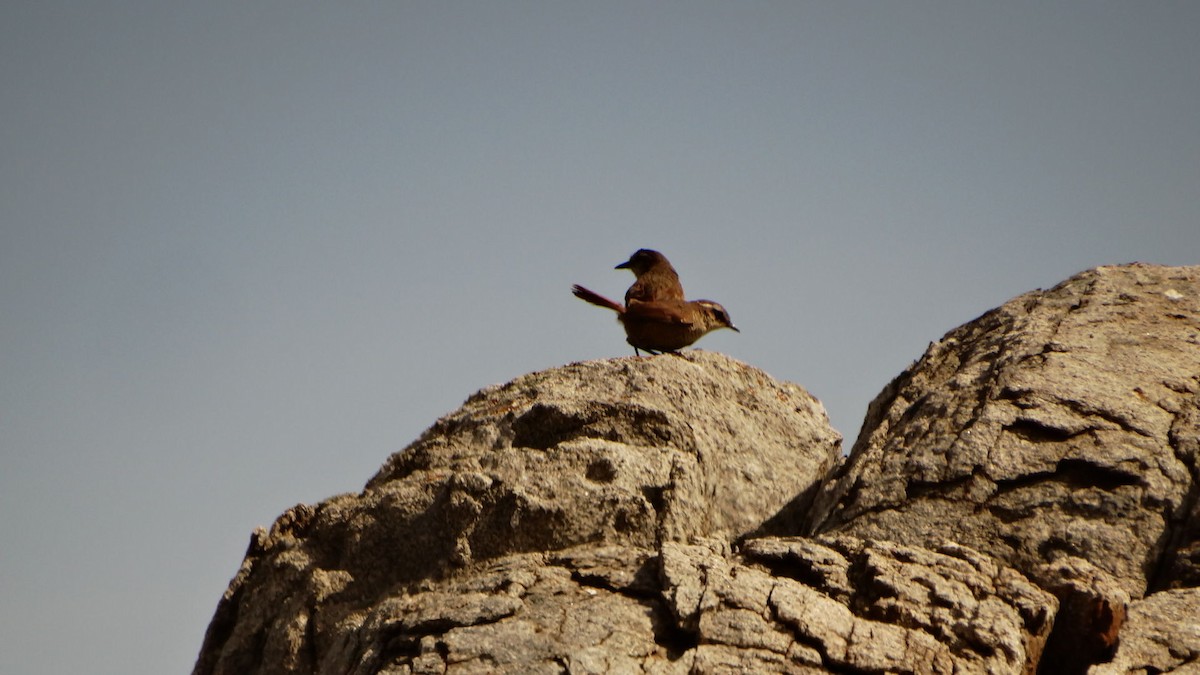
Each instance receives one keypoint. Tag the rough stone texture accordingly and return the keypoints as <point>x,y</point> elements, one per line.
<point>785,605</point>
<point>840,604</point>
<point>611,452</point>
<point>579,610</point>
<point>1161,635</point>
<point>1091,614</point>
<point>1022,499</point>
<point>1063,423</point>
<point>615,451</point>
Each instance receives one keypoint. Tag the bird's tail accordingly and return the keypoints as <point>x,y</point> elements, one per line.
<point>596,299</point>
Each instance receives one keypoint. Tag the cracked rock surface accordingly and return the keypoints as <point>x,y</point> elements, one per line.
<point>1161,635</point>
<point>1062,424</point>
<point>1023,499</point>
<point>628,452</point>
<point>839,604</point>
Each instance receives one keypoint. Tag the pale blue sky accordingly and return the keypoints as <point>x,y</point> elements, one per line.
<point>248,249</point>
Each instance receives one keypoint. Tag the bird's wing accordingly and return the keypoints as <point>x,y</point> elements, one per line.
<point>660,312</point>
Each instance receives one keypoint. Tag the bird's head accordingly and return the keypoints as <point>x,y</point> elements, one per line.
<point>642,261</point>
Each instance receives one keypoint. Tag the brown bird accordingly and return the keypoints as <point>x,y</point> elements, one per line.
<point>662,325</point>
<point>656,279</point>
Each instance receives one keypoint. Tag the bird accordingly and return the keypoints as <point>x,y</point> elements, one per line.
<point>656,278</point>
<point>658,326</point>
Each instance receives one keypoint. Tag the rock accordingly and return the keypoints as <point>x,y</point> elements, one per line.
<point>881,607</point>
<point>608,453</point>
<point>1160,635</point>
<point>680,608</point>
<point>1062,424</point>
<point>1024,498</point>
<point>1091,613</point>
<point>523,613</point>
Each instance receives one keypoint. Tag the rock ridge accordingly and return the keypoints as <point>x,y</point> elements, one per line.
<point>1022,499</point>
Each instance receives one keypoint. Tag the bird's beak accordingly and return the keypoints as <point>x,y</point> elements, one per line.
<point>622,266</point>
<point>735,328</point>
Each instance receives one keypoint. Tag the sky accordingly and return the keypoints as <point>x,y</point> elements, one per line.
<point>250,249</point>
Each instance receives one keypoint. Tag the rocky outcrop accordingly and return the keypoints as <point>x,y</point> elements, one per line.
<point>1061,424</point>
<point>1022,499</point>
<point>616,456</point>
